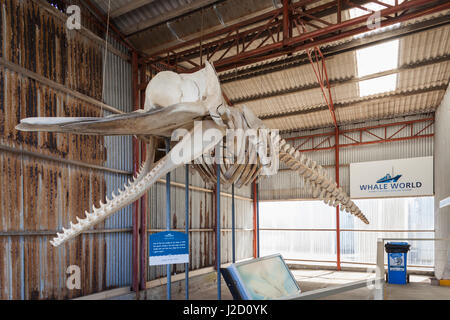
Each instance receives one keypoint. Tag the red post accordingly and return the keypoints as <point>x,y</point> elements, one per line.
<point>255,231</point>
<point>286,21</point>
<point>339,11</point>
<point>135,245</point>
<point>338,229</point>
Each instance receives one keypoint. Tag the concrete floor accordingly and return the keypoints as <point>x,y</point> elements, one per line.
<point>419,287</point>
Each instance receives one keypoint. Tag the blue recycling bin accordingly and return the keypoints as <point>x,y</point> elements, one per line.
<point>397,254</point>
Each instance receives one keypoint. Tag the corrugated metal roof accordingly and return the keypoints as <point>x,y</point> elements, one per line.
<point>423,64</point>
<point>285,91</point>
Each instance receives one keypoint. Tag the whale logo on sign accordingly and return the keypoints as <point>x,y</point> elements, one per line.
<point>388,178</point>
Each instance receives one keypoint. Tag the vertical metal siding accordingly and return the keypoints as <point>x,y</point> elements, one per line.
<point>39,197</point>
<point>119,155</point>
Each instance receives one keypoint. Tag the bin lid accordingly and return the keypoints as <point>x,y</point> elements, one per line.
<point>398,243</point>
<point>392,247</point>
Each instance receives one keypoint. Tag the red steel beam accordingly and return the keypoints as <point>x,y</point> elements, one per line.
<point>385,125</point>
<point>389,125</point>
<point>302,41</point>
<point>370,142</point>
<point>255,231</point>
<point>286,21</point>
<point>299,43</point>
<point>338,231</point>
<point>391,138</point>
<point>225,31</point>
<point>320,70</point>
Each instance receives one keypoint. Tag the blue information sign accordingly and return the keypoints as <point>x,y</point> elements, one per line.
<point>168,247</point>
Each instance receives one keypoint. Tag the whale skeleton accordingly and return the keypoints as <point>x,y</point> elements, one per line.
<point>175,103</point>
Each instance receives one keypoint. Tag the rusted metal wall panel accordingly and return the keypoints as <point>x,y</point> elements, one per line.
<point>88,19</point>
<point>38,197</point>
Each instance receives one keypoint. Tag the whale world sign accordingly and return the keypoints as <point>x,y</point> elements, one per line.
<point>392,178</point>
<point>168,247</point>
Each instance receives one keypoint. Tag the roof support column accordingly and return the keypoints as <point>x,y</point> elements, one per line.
<point>338,230</point>
<point>255,221</point>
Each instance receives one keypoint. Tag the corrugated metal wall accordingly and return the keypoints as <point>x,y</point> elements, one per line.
<point>201,221</point>
<point>286,185</point>
<point>38,197</point>
<point>118,92</point>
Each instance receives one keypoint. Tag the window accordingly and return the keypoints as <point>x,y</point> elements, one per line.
<point>311,234</point>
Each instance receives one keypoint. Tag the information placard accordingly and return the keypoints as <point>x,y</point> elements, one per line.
<point>168,247</point>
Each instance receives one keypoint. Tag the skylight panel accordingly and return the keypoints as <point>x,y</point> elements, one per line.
<point>378,85</point>
<point>377,58</point>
